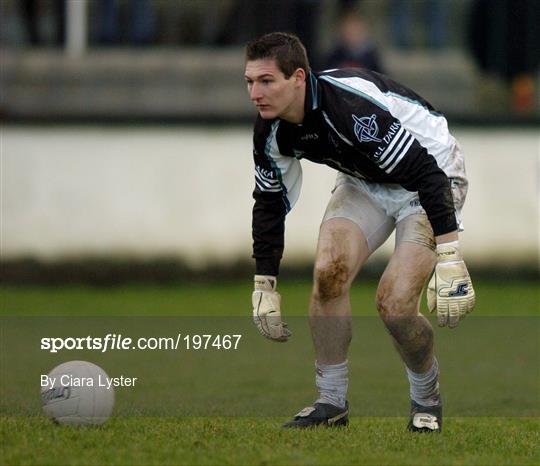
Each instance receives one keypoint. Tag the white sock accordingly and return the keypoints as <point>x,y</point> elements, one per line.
<point>425,387</point>
<point>332,381</point>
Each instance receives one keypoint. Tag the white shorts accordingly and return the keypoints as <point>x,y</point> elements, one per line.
<point>377,208</point>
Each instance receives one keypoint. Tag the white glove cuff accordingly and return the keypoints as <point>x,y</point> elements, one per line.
<point>265,283</point>
<point>449,252</point>
<point>450,244</point>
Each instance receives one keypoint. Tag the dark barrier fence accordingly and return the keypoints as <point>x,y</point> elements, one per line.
<point>111,272</point>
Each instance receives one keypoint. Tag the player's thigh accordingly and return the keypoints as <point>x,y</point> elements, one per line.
<point>350,200</point>
<point>341,251</point>
<point>409,268</point>
<point>352,228</point>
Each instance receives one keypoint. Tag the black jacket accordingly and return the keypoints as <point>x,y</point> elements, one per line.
<point>361,123</point>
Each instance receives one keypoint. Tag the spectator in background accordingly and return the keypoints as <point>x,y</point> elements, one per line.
<point>141,21</point>
<point>434,17</point>
<point>33,12</point>
<point>355,48</point>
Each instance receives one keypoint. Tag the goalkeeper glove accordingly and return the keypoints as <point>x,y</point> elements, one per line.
<point>266,309</point>
<point>450,289</point>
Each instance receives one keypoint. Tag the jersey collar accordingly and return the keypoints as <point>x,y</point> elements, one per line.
<point>312,100</point>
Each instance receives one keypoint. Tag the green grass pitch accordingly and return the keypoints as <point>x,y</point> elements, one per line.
<point>492,419</point>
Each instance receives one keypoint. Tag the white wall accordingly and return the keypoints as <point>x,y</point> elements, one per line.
<point>187,192</point>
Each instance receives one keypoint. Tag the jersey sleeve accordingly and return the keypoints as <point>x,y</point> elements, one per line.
<point>365,118</point>
<point>278,181</point>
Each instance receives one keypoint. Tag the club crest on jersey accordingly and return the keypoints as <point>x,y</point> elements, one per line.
<point>366,128</point>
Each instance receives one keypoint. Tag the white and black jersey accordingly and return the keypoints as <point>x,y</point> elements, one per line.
<point>360,123</point>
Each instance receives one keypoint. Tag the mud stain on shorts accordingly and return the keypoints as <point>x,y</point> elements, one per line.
<point>416,229</point>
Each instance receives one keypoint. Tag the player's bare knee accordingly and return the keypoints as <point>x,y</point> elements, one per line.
<point>384,301</point>
<point>331,279</point>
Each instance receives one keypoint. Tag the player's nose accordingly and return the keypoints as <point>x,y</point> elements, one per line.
<point>255,93</point>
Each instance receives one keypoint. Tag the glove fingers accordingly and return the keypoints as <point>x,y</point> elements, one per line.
<point>272,328</point>
<point>453,315</point>
<point>442,316</point>
<point>463,309</point>
<point>259,324</point>
<point>471,300</point>
<point>263,325</point>
<point>431,295</point>
<point>281,335</point>
<point>278,329</point>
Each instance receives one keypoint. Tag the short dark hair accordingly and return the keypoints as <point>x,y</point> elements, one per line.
<point>287,49</point>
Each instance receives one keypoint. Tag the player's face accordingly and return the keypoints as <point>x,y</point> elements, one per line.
<point>273,94</point>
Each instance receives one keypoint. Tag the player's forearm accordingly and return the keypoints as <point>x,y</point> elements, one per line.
<point>268,245</point>
<point>268,231</point>
<point>419,172</point>
<point>436,199</point>
<point>267,265</point>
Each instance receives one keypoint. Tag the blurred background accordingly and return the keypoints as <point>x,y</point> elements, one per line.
<point>126,129</point>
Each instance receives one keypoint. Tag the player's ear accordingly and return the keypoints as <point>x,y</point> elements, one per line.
<point>299,76</point>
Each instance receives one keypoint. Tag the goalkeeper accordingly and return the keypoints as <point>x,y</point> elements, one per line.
<point>399,169</point>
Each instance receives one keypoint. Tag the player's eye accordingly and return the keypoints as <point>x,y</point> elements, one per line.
<point>266,81</point>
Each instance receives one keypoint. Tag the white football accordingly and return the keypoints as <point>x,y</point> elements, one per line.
<point>76,393</point>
